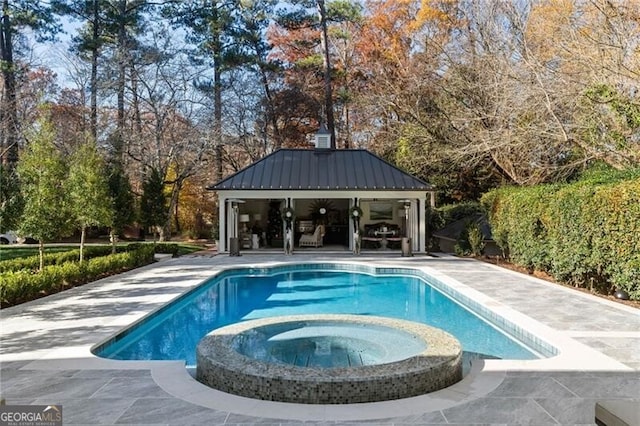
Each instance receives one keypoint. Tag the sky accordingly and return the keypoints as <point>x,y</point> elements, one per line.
<point>52,54</point>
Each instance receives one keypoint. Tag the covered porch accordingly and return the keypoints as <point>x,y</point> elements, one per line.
<point>259,220</point>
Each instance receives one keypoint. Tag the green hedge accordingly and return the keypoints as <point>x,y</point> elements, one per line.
<point>585,233</point>
<point>168,248</point>
<point>24,285</point>
<point>32,263</point>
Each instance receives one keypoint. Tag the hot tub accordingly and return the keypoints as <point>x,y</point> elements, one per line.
<point>328,359</point>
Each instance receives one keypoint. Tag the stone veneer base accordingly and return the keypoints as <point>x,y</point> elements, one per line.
<point>221,367</point>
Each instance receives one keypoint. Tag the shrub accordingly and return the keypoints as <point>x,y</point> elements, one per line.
<point>470,241</point>
<point>476,239</point>
<point>23,285</point>
<point>32,263</point>
<point>168,248</point>
<point>584,233</point>
<point>442,216</point>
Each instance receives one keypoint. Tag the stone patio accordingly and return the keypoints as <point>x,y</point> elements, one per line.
<point>45,354</point>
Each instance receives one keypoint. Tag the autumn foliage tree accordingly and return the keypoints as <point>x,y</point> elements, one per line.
<point>465,94</point>
<point>299,44</point>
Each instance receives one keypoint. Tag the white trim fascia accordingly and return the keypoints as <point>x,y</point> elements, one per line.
<point>319,193</point>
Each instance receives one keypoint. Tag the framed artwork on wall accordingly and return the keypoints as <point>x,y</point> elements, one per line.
<point>380,211</point>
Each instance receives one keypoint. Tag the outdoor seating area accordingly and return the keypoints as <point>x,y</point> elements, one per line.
<point>312,240</point>
<point>381,235</point>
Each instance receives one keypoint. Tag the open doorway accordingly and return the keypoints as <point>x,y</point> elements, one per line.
<point>261,225</point>
<point>332,213</point>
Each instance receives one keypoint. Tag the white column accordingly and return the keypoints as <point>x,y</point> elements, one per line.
<point>413,226</point>
<point>422,221</point>
<point>352,229</point>
<point>222,224</point>
<point>232,221</point>
<point>293,226</point>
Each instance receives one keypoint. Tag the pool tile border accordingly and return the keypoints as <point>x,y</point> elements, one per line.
<point>436,365</point>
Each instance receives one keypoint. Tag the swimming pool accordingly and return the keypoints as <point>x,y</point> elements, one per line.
<point>173,332</point>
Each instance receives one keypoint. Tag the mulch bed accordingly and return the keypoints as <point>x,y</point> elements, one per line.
<point>498,261</point>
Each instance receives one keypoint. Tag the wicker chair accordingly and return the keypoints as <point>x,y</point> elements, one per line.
<point>312,240</point>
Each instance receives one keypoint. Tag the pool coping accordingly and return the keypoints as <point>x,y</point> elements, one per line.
<point>484,377</point>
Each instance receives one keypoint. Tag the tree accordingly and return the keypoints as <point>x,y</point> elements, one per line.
<point>126,21</point>
<point>153,204</point>
<point>511,100</point>
<point>400,47</point>
<point>107,24</point>
<point>326,59</point>
<point>88,191</point>
<point>17,15</point>
<point>170,139</point>
<point>304,42</point>
<point>11,202</point>
<point>123,203</point>
<point>481,91</point>
<point>89,42</point>
<point>209,26</point>
<point>68,115</point>
<point>253,50</point>
<point>42,171</point>
<point>610,122</point>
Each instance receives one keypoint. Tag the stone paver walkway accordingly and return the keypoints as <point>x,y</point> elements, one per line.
<point>45,356</point>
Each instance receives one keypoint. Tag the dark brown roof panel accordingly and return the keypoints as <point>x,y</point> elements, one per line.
<point>303,169</point>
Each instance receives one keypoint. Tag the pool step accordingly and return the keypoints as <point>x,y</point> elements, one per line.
<point>339,358</point>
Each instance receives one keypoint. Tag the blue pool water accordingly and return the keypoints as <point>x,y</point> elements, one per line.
<point>328,344</point>
<point>174,332</point>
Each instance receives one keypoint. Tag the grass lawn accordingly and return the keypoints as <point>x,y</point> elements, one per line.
<point>8,252</point>
<point>187,248</point>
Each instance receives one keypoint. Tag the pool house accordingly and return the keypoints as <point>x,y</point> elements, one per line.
<point>322,198</point>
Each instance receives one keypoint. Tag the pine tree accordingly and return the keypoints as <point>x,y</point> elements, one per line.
<point>15,16</point>
<point>153,205</point>
<point>123,206</point>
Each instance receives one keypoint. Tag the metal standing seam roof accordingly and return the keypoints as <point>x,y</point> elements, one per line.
<point>321,169</point>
